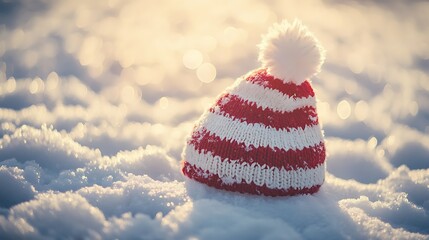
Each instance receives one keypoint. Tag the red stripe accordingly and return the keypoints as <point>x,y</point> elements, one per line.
<point>261,77</point>
<point>245,111</point>
<point>213,180</point>
<point>310,157</point>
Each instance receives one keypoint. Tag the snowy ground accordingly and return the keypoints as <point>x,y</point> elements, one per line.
<point>97,97</point>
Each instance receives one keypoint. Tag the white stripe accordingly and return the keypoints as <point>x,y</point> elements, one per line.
<point>231,171</point>
<point>258,135</point>
<point>269,98</point>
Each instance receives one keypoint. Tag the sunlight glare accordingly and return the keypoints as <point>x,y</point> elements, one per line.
<point>52,81</point>
<point>128,93</point>
<point>36,86</point>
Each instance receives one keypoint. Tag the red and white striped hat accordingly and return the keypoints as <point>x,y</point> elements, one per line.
<point>262,136</point>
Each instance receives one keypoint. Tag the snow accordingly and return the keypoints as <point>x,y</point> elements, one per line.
<point>97,98</point>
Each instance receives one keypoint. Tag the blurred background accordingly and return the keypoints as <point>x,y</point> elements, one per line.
<point>97,98</point>
<point>118,75</point>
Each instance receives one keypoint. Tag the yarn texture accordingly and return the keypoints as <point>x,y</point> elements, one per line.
<point>261,136</point>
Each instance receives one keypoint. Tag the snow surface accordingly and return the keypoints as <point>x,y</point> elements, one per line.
<point>97,97</point>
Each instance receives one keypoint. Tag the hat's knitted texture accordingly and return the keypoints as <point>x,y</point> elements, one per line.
<point>262,136</point>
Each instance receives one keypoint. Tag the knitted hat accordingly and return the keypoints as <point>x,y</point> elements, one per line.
<point>262,135</point>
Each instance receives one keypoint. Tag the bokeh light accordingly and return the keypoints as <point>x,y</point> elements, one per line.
<point>90,52</point>
<point>344,109</point>
<point>372,142</point>
<point>361,110</point>
<point>192,59</point>
<point>52,81</point>
<point>11,85</point>
<point>206,73</point>
<point>163,103</point>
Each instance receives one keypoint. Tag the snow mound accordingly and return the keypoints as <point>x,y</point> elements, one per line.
<point>95,108</point>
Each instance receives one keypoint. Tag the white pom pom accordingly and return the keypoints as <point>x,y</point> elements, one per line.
<point>291,52</point>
